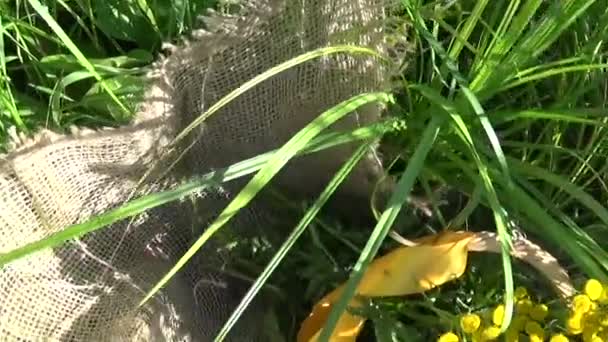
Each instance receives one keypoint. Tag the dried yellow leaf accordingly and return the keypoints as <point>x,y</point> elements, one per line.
<point>435,260</point>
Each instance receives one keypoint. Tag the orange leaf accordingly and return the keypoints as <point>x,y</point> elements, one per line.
<point>405,270</point>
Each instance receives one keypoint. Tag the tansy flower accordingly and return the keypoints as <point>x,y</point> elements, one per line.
<point>498,315</point>
<point>470,323</point>
<point>512,335</point>
<point>574,323</point>
<point>521,292</point>
<point>558,338</point>
<point>524,306</point>
<point>490,333</point>
<point>591,319</point>
<point>448,337</point>
<point>581,303</point>
<point>533,328</point>
<point>536,338</point>
<point>604,297</point>
<point>539,312</point>
<point>593,306</point>
<point>603,319</point>
<point>476,337</point>
<point>518,323</point>
<point>592,338</point>
<point>589,332</point>
<point>593,289</point>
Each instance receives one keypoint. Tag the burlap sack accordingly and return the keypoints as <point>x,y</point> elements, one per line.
<point>88,290</point>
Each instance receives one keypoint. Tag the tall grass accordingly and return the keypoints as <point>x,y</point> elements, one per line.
<point>503,104</point>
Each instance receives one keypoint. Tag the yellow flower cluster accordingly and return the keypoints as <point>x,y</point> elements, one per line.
<point>525,323</point>
<point>589,313</point>
<point>587,320</point>
<point>528,319</point>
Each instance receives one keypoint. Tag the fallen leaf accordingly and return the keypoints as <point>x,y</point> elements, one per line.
<point>433,261</point>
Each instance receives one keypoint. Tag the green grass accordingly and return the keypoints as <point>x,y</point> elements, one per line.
<point>81,62</point>
<point>502,104</point>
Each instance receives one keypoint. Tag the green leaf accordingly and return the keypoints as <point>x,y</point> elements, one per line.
<point>124,20</point>
<point>105,66</point>
<point>391,330</point>
<point>128,88</point>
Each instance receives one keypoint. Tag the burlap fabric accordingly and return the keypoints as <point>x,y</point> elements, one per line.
<point>88,290</point>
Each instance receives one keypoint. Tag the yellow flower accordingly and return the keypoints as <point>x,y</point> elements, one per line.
<point>512,335</point>
<point>593,289</point>
<point>498,315</point>
<point>558,338</point>
<point>524,306</point>
<point>476,337</point>
<point>590,333</point>
<point>591,319</point>
<point>574,323</point>
<point>448,337</point>
<point>470,323</point>
<point>539,312</point>
<point>518,323</point>
<point>581,303</point>
<point>604,297</point>
<point>603,319</point>
<point>593,306</point>
<point>490,333</point>
<point>536,338</point>
<point>533,328</point>
<point>521,292</point>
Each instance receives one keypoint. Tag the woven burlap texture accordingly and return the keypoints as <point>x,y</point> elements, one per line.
<point>88,290</point>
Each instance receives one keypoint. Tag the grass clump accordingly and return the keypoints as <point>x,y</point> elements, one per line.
<point>81,62</point>
<point>503,109</point>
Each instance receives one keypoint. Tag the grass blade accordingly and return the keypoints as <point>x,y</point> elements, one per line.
<point>563,184</point>
<point>504,41</point>
<point>268,74</point>
<point>7,96</point>
<point>467,29</point>
<point>293,237</point>
<point>557,18</point>
<point>517,81</point>
<point>551,228</point>
<point>263,177</point>
<point>147,202</point>
<point>497,209</point>
<point>573,115</point>
<point>44,13</point>
<point>398,198</point>
<point>451,65</point>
